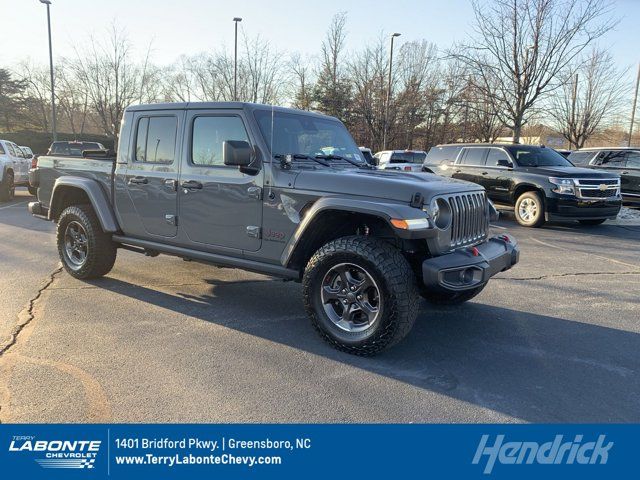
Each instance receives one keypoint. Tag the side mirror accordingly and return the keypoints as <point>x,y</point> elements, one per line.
<point>503,162</point>
<point>237,153</point>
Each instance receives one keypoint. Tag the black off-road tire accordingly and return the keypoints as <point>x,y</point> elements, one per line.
<point>599,221</point>
<point>450,298</point>
<point>539,218</point>
<point>32,191</point>
<point>101,250</point>
<point>398,293</point>
<point>7,187</point>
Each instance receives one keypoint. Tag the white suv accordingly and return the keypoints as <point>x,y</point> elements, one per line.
<point>14,169</point>
<point>404,160</point>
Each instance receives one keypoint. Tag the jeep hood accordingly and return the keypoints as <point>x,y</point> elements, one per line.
<point>385,184</point>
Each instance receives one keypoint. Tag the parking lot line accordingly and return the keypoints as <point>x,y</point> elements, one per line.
<point>13,205</point>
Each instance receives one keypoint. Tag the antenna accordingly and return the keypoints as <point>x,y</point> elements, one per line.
<point>271,153</point>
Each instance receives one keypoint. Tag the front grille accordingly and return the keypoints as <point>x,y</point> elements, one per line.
<point>469,218</point>
<point>593,193</point>
<point>597,187</point>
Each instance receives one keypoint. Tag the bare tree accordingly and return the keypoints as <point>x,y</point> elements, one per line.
<point>36,94</point>
<point>302,86</point>
<point>112,78</point>
<point>521,48</point>
<point>590,99</point>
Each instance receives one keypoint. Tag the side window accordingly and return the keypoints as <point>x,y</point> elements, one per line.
<point>633,160</point>
<point>12,152</point>
<point>209,133</point>
<point>474,156</point>
<point>494,155</point>
<point>614,159</point>
<point>156,139</point>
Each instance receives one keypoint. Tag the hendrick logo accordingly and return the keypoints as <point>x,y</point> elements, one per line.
<point>58,453</point>
<point>554,452</point>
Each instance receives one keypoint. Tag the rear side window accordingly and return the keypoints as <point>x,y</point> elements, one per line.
<point>156,139</point>
<point>209,134</point>
<point>633,159</point>
<point>612,158</point>
<point>581,158</point>
<point>473,156</point>
<point>438,155</point>
<point>494,155</point>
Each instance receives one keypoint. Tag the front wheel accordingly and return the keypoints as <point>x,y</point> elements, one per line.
<point>85,250</point>
<point>7,187</point>
<point>450,297</point>
<point>360,294</point>
<point>529,210</point>
<point>599,221</point>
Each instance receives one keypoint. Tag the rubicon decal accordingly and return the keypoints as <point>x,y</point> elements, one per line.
<point>57,453</point>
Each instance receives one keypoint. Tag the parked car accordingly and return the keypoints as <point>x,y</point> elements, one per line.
<point>564,152</point>
<point>14,169</point>
<point>622,161</point>
<point>539,183</point>
<point>27,151</point>
<point>405,160</point>
<point>73,148</point>
<point>250,186</point>
<point>368,155</point>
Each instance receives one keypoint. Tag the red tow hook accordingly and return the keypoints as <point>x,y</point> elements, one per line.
<point>475,251</point>
<point>506,238</point>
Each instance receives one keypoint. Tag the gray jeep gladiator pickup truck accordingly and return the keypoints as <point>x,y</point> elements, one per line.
<point>282,192</point>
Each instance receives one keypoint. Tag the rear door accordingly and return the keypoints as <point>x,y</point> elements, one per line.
<point>151,178</point>
<point>470,165</point>
<point>630,176</point>
<point>220,207</point>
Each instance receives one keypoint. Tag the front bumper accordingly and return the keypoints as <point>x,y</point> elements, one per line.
<point>470,267</point>
<point>573,208</point>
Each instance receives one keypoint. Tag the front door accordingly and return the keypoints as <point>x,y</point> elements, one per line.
<point>219,205</point>
<point>630,176</point>
<point>499,178</point>
<point>152,174</point>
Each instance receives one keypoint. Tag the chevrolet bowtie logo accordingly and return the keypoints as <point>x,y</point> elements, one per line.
<point>602,187</point>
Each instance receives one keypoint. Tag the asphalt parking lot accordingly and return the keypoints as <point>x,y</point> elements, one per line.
<point>556,339</point>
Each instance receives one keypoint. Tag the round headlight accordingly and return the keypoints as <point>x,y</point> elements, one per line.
<point>440,212</point>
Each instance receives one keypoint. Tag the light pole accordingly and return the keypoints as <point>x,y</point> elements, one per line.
<point>54,133</point>
<point>633,108</point>
<point>386,111</point>
<point>235,60</point>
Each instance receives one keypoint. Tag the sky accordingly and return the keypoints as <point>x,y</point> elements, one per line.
<point>188,27</point>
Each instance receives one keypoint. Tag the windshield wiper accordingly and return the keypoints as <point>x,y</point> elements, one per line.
<point>302,156</point>
<point>339,157</point>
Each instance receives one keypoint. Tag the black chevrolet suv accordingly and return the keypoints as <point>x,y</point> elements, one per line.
<point>537,181</point>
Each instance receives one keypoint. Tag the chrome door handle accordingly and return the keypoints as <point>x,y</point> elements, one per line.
<point>171,184</point>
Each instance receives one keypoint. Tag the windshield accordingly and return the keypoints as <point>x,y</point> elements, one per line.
<point>408,157</point>
<point>295,133</point>
<point>530,156</point>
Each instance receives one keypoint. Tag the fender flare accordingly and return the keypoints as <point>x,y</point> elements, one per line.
<point>96,195</point>
<point>384,211</point>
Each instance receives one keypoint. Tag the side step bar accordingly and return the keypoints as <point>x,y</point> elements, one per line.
<point>206,257</point>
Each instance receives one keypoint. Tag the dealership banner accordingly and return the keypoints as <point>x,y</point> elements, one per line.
<point>142,451</point>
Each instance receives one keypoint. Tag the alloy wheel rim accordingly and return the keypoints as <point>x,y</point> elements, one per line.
<point>76,244</point>
<point>528,210</point>
<point>351,297</point>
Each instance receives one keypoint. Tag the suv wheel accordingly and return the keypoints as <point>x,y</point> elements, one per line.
<point>450,297</point>
<point>7,187</point>
<point>593,222</point>
<point>530,209</point>
<point>360,294</point>
<point>85,250</point>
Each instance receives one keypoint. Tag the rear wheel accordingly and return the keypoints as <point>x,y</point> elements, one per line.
<point>529,210</point>
<point>593,222</point>
<point>450,297</point>
<point>360,294</point>
<point>85,250</point>
<point>7,187</point>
